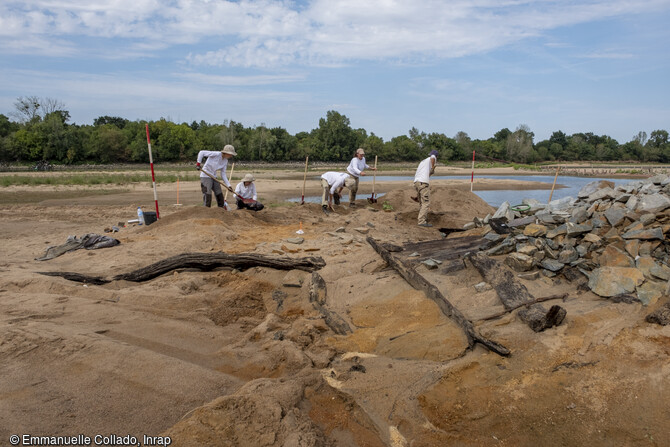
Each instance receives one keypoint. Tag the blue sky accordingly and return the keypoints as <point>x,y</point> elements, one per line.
<point>476,66</point>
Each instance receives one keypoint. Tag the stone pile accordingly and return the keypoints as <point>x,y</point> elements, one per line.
<point>609,239</point>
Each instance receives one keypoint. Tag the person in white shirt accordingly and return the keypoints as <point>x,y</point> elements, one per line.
<point>421,184</point>
<point>332,183</point>
<point>355,170</point>
<point>216,160</point>
<point>246,194</point>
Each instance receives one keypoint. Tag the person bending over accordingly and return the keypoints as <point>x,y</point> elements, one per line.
<point>216,160</point>
<point>332,184</point>
<point>421,185</point>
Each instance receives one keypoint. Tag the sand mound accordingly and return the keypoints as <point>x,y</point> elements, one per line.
<point>449,207</point>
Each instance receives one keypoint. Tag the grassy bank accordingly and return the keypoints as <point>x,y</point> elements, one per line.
<point>92,179</point>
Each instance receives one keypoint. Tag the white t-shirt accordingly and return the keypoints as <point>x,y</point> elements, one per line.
<point>246,192</point>
<point>215,161</point>
<point>357,166</point>
<point>424,170</point>
<point>335,180</point>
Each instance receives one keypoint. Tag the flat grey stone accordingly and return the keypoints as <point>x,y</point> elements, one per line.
<point>575,229</point>
<point>521,221</point>
<point>652,203</point>
<point>295,240</point>
<point>632,203</point>
<point>594,186</point>
<point>615,215</point>
<point>562,229</point>
<point>613,281</point>
<point>519,262</point>
<point>568,255</point>
<point>646,234</point>
<point>579,215</point>
<point>551,264</point>
<point>604,193</point>
<point>646,219</point>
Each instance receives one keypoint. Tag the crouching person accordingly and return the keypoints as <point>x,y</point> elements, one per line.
<point>332,184</point>
<point>246,194</point>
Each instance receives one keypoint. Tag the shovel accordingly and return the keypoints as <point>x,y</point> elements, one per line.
<point>304,180</point>
<point>372,198</point>
<point>225,196</point>
<point>223,184</point>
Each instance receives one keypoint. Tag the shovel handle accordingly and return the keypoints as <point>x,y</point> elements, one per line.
<point>228,188</point>
<point>374,178</point>
<point>304,178</point>
<point>232,169</point>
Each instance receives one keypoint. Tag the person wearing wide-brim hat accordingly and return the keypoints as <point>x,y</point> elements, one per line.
<point>246,194</point>
<point>355,170</point>
<point>216,160</point>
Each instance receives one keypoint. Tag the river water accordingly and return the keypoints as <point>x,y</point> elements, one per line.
<point>493,198</point>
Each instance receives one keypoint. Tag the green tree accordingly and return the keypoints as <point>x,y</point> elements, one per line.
<point>114,120</point>
<point>519,146</point>
<point>446,147</point>
<point>658,138</point>
<point>108,144</point>
<point>335,139</point>
<point>24,145</point>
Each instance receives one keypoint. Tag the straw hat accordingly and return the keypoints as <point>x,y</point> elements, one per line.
<point>360,151</point>
<point>229,149</point>
<point>248,178</point>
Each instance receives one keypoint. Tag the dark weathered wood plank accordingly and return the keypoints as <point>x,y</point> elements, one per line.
<point>444,249</point>
<point>417,281</point>
<point>514,295</point>
<point>317,296</point>
<point>204,262</point>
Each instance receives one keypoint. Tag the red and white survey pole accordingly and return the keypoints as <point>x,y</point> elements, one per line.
<point>153,177</point>
<point>472,177</point>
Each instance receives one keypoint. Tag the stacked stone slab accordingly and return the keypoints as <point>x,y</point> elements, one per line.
<point>611,239</point>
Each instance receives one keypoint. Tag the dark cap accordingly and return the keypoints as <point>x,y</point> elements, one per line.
<point>433,152</point>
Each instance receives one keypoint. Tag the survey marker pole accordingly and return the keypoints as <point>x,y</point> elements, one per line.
<point>153,177</point>
<point>472,177</point>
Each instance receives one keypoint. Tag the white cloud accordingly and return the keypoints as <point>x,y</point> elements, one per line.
<point>608,55</point>
<point>268,33</point>
<point>240,80</point>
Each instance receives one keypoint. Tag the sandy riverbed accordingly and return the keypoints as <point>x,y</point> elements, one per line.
<point>243,358</point>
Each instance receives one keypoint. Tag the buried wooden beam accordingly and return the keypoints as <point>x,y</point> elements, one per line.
<point>561,296</point>
<point>420,283</point>
<point>317,296</point>
<point>204,262</point>
<point>513,294</point>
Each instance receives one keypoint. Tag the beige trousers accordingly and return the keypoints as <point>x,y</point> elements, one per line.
<point>423,191</point>
<point>325,195</point>
<point>352,183</point>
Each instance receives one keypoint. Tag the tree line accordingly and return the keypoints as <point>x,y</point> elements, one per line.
<point>40,130</point>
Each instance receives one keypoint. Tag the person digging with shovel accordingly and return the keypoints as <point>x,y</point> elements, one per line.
<point>216,160</point>
<point>355,170</point>
<point>246,194</point>
<point>332,184</point>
